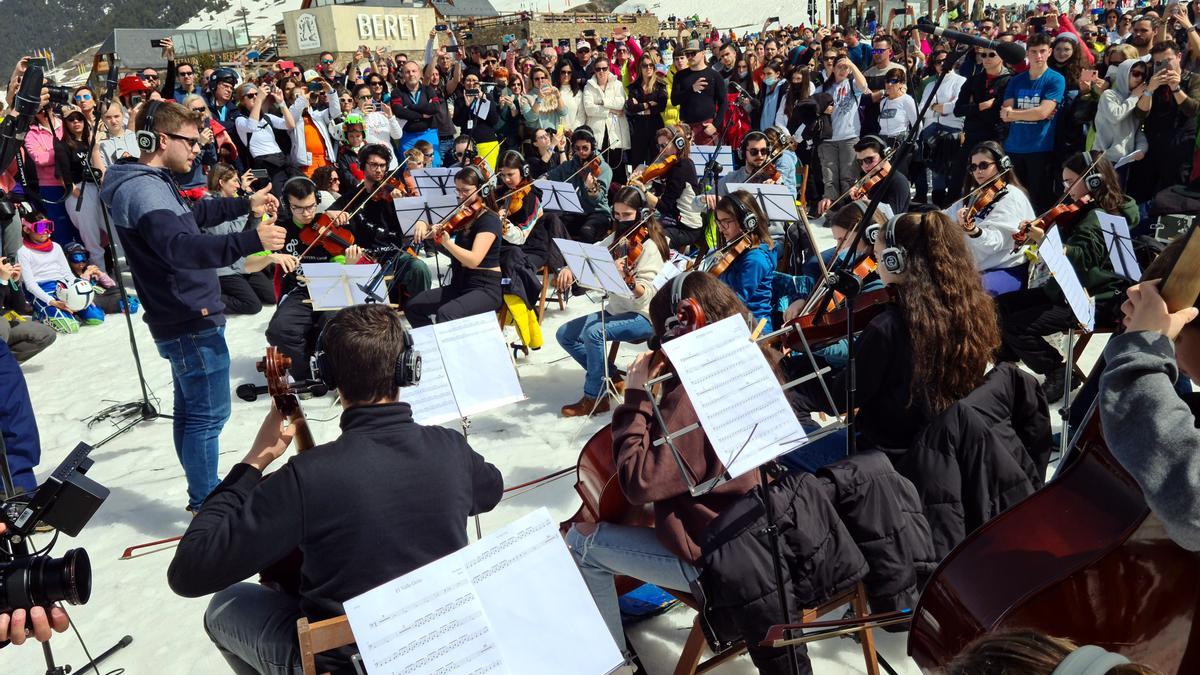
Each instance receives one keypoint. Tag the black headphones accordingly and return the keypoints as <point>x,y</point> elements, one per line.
<point>992,148</point>
<point>524,165</point>
<point>147,138</point>
<point>643,212</point>
<point>752,136</point>
<point>893,258</point>
<point>884,148</point>
<point>686,315</point>
<point>306,179</point>
<point>585,133</point>
<point>407,371</point>
<point>747,218</point>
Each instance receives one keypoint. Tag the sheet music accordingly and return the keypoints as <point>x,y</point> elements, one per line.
<point>434,180</point>
<point>478,363</point>
<point>778,202</point>
<point>672,268</point>
<point>739,402</point>
<point>431,208</point>
<point>1127,159</point>
<point>432,399</point>
<point>522,568</point>
<point>558,196</point>
<point>593,267</point>
<point>1051,253</point>
<point>429,620</point>
<point>332,286</point>
<point>1120,245</point>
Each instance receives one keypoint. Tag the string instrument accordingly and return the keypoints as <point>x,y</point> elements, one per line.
<point>1048,219</point>
<point>284,574</point>
<point>1082,558</point>
<point>406,186</point>
<point>729,254</point>
<point>770,173</point>
<point>985,197</point>
<point>861,270</point>
<point>871,179</point>
<point>637,242</point>
<point>333,238</point>
<point>324,224</point>
<point>468,209</point>
<point>824,326</point>
<point>658,169</point>
<point>516,198</point>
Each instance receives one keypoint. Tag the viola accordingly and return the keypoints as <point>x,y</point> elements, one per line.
<point>730,254</point>
<point>637,241</point>
<point>821,327</point>
<point>334,239</point>
<point>284,574</point>
<point>1082,558</point>
<point>1048,219</point>
<point>987,195</point>
<point>658,169</point>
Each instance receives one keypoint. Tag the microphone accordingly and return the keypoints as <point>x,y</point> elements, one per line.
<point>1010,52</point>
<point>111,85</point>
<point>25,105</point>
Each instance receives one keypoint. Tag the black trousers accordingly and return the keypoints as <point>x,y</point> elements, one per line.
<point>1040,174</point>
<point>588,228</point>
<point>246,293</point>
<point>679,236</point>
<point>470,292</point>
<point>294,330</point>
<point>278,169</point>
<point>1025,317</point>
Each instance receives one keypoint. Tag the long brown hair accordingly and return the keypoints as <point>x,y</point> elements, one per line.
<point>951,320</point>
<point>1023,651</point>
<point>1109,197</point>
<point>760,235</point>
<point>634,198</point>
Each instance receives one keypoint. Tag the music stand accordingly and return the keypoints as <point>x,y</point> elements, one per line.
<point>558,196</point>
<point>1119,243</point>
<point>701,155</point>
<point>778,202</point>
<point>595,269</point>
<point>332,286</point>
<point>434,180</point>
<point>432,208</point>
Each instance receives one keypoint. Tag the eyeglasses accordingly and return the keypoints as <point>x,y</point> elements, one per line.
<point>149,77</point>
<point>377,165</point>
<point>364,98</point>
<point>877,51</point>
<point>252,94</point>
<point>982,166</point>
<point>185,73</point>
<point>83,97</point>
<point>579,147</point>
<point>302,209</point>
<point>988,55</point>
<point>77,258</point>
<point>193,141</point>
<point>690,52</point>
<point>756,151</point>
<point>895,81</point>
<point>868,160</point>
<point>326,61</point>
<point>538,77</point>
<point>600,69</point>
<point>201,109</point>
<point>346,99</point>
<point>428,155</point>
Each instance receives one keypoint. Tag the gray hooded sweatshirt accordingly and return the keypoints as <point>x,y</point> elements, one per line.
<point>1118,129</point>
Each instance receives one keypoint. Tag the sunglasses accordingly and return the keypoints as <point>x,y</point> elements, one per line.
<point>185,74</point>
<point>600,69</point>
<point>83,97</point>
<point>982,166</point>
<point>193,141</point>
<point>894,81</point>
<point>988,55</point>
<point>43,226</point>
<point>346,100</point>
<point>756,151</point>
<point>327,61</point>
<point>878,51</point>
<point>868,160</point>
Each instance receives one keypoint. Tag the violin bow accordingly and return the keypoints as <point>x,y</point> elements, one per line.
<point>325,230</point>
<point>595,158</point>
<point>628,233</point>
<point>866,176</point>
<point>967,197</point>
<point>464,200</point>
<point>1022,234</point>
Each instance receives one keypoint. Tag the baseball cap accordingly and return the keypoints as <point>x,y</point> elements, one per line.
<point>583,44</point>
<point>693,46</point>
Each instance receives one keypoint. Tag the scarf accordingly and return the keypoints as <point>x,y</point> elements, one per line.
<point>44,247</point>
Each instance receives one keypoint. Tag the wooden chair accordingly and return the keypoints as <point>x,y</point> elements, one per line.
<point>321,636</point>
<point>613,351</point>
<point>689,661</point>
<point>545,272</point>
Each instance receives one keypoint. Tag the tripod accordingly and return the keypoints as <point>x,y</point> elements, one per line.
<point>21,548</point>
<point>133,413</point>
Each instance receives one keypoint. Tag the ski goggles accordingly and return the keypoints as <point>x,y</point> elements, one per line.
<point>78,257</point>
<point>43,226</point>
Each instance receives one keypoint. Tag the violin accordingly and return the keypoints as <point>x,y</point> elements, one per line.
<point>658,169</point>
<point>1048,219</point>
<point>334,239</point>
<point>730,254</point>
<point>864,268</point>
<point>463,216</point>
<point>873,178</point>
<point>1082,558</point>
<point>637,241</point>
<point>986,196</point>
<point>768,172</point>
<point>516,198</point>
<point>284,574</point>
<point>406,185</point>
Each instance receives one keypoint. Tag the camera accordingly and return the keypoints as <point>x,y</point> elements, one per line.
<point>66,501</point>
<point>59,96</point>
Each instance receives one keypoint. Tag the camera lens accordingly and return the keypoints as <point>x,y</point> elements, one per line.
<point>43,581</point>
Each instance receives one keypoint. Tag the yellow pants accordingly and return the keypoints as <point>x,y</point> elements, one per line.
<point>526,321</point>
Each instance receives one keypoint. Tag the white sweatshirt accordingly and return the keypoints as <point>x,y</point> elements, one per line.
<point>38,266</point>
<point>992,249</point>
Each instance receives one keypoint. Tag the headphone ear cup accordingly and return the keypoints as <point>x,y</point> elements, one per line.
<point>1005,163</point>
<point>872,233</point>
<point>1093,182</point>
<point>893,259</point>
<point>147,141</point>
<point>679,142</point>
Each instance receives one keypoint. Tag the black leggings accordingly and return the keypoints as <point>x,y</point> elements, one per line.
<point>246,293</point>
<point>476,292</point>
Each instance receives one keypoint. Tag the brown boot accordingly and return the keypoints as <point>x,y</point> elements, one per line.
<point>585,406</point>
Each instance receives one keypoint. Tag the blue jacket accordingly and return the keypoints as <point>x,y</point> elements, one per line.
<point>751,276</point>
<point>17,423</point>
<point>173,263</point>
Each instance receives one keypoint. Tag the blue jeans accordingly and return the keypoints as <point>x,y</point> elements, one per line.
<point>56,210</point>
<point>584,341</point>
<point>629,551</point>
<point>254,628</point>
<point>200,373</point>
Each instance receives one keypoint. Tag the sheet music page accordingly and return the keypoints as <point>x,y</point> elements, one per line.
<point>543,617</point>
<point>429,620</point>
<point>593,267</point>
<point>670,269</point>
<point>740,403</point>
<point>1120,245</point>
<point>411,209</point>
<point>1051,252</point>
<point>478,363</point>
<point>703,154</point>
<point>434,180</point>
<point>332,286</point>
<point>558,196</point>
<point>777,201</point>
<point>431,399</point>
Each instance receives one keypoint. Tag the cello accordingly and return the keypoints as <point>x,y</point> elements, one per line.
<point>1082,558</point>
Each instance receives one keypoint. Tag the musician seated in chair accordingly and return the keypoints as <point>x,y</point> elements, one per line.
<point>590,184</point>
<point>869,154</point>
<point>926,350</point>
<point>745,254</point>
<point>673,192</point>
<point>990,217</point>
<point>1149,428</point>
<point>474,249</point>
<point>626,319</point>
<point>1040,310</point>
<point>294,326</point>
<point>385,498</point>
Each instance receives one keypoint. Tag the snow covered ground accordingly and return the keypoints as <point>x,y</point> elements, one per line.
<point>83,373</point>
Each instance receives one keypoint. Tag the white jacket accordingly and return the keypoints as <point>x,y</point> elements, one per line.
<point>605,109</point>
<point>992,249</point>
<point>572,108</point>
<point>321,120</point>
<point>947,95</point>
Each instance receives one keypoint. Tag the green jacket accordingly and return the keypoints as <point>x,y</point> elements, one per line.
<point>1089,256</point>
<point>590,204</point>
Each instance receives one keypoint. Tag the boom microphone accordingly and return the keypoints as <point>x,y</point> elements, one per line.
<point>25,105</point>
<point>1010,52</point>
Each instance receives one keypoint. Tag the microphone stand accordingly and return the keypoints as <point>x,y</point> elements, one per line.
<point>135,412</point>
<point>841,273</point>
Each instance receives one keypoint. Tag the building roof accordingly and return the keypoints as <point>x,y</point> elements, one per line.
<point>132,45</point>
<point>465,7</point>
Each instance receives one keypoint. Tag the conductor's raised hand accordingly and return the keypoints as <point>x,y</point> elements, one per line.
<point>272,236</point>
<point>263,202</point>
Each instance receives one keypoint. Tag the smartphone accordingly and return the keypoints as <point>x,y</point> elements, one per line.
<point>259,174</point>
<point>314,87</point>
<point>591,32</point>
<point>441,28</point>
<point>156,43</point>
<point>452,49</point>
<point>1038,23</point>
<point>44,64</point>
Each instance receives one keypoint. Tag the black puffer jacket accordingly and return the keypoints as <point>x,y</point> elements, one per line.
<point>882,511</point>
<point>738,580</point>
<point>980,456</point>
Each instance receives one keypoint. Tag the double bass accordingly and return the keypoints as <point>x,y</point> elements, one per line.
<point>1082,558</point>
